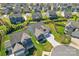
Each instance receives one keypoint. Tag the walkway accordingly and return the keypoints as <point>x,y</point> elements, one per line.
<point>52,41</point>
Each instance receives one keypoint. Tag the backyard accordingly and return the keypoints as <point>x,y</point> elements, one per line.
<point>58,32</point>
<point>40,47</point>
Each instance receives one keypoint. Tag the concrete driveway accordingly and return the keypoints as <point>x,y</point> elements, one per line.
<point>52,41</point>
<point>75,43</point>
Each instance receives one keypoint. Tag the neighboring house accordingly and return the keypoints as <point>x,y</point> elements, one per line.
<point>20,43</point>
<point>37,8</point>
<point>40,31</point>
<point>65,50</point>
<point>19,50</point>
<point>5,11</point>
<point>55,6</point>
<point>74,9</point>
<point>72,29</point>
<point>26,10</point>
<point>76,24</point>
<point>26,41</point>
<point>8,48</point>
<point>66,14</point>
<point>17,9</point>
<point>46,7</point>
<point>75,34</point>
<point>77,8</point>
<point>63,6</point>
<point>75,37</point>
<point>16,18</point>
<point>37,16</point>
<point>52,14</point>
<point>71,26</point>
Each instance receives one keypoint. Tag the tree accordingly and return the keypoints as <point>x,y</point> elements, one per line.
<point>75,17</point>
<point>1,38</point>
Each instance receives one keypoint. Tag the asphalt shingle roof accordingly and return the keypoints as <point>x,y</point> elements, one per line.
<point>18,47</point>
<point>17,37</point>
<point>75,34</point>
<point>38,28</point>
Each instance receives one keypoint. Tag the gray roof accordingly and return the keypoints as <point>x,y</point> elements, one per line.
<point>38,28</point>
<point>18,47</point>
<point>17,36</point>
<point>76,24</point>
<point>51,12</point>
<point>65,50</point>
<point>37,15</point>
<point>75,34</point>
<point>71,25</point>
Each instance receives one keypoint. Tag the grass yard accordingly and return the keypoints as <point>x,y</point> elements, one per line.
<point>60,29</point>
<point>37,53</point>
<point>2,52</point>
<point>58,37</point>
<point>47,46</point>
<point>35,42</point>
<point>39,47</point>
<point>3,28</point>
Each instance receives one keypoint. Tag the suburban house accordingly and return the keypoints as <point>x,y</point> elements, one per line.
<point>16,9</point>
<point>72,29</point>
<point>19,50</point>
<point>75,37</point>
<point>69,28</point>
<point>37,16</point>
<point>72,26</point>
<point>8,48</point>
<point>40,31</point>
<point>37,8</point>
<point>20,43</point>
<point>5,11</point>
<point>63,7</point>
<point>45,7</point>
<point>75,34</point>
<point>66,14</point>
<point>16,18</point>
<point>26,10</point>
<point>55,6</point>
<point>52,14</point>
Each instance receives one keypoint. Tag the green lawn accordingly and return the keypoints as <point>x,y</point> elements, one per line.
<point>3,28</point>
<point>40,48</point>
<point>35,42</point>
<point>60,29</point>
<point>58,37</point>
<point>47,46</point>
<point>37,53</point>
<point>2,52</point>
